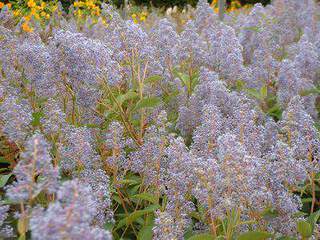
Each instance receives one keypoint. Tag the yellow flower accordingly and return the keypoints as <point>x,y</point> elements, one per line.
<point>96,11</point>
<point>90,4</point>
<point>28,18</point>
<point>78,4</point>
<point>216,10</point>
<point>214,3</point>
<point>26,27</point>
<point>43,5</point>
<point>47,16</point>
<point>43,14</point>
<point>1,5</point>
<point>33,11</point>
<point>142,18</point>
<point>16,13</point>
<point>31,4</point>
<point>79,12</point>
<point>134,15</point>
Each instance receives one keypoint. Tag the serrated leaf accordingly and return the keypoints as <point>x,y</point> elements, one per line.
<point>146,196</point>
<point>4,179</point>
<point>255,236</point>
<point>203,236</point>
<point>145,233</point>
<point>147,103</point>
<point>304,228</point>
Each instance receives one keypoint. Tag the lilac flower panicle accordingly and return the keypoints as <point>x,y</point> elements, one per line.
<point>99,183</point>
<point>16,116</point>
<point>6,231</point>
<point>70,216</point>
<point>35,161</point>
<point>78,151</point>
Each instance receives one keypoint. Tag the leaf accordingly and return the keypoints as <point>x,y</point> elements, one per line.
<point>147,196</point>
<point>133,216</point>
<point>254,93</point>
<point>203,236</point>
<point>109,226</point>
<point>127,96</point>
<point>304,228</point>
<point>154,78</point>
<point>3,160</point>
<point>313,218</point>
<point>36,118</point>
<point>269,213</point>
<point>145,233</point>
<point>264,92</point>
<point>128,181</point>
<point>147,103</point>
<point>254,28</point>
<point>310,92</point>
<point>4,179</point>
<point>136,214</point>
<point>254,236</point>
<point>240,84</point>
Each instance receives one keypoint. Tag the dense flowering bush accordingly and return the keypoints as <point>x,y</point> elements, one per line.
<point>176,127</point>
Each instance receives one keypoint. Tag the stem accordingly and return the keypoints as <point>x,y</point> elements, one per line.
<point>221,5</point>
<point>313,187</point>
<point>124,119</point>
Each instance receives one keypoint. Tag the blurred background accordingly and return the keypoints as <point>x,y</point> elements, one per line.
<point>169,3</point>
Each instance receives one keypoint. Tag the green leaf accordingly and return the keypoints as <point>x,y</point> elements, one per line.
<point>109,226</point>
<point>254,93</point>
<point>133,216</point>
<point>136,214</point>
<point>36,117</point>
<point>310,92</point>
<point>313,218</point>
<point>304,228</point>
<point>154,78</point>
<point>269,213</point>
<point>127,96</point>
<point>4,179</point>
<point>3,160</point>
<point>254,28</point>
<point>240,85</point>
<point>255,236</point>
<point>147,196</point>
<point>264,92</point>
<point>145,233</point>
<point>286,238</point>
<point>128,181</point>
<point>147,103</point>
<point>203,236</point>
